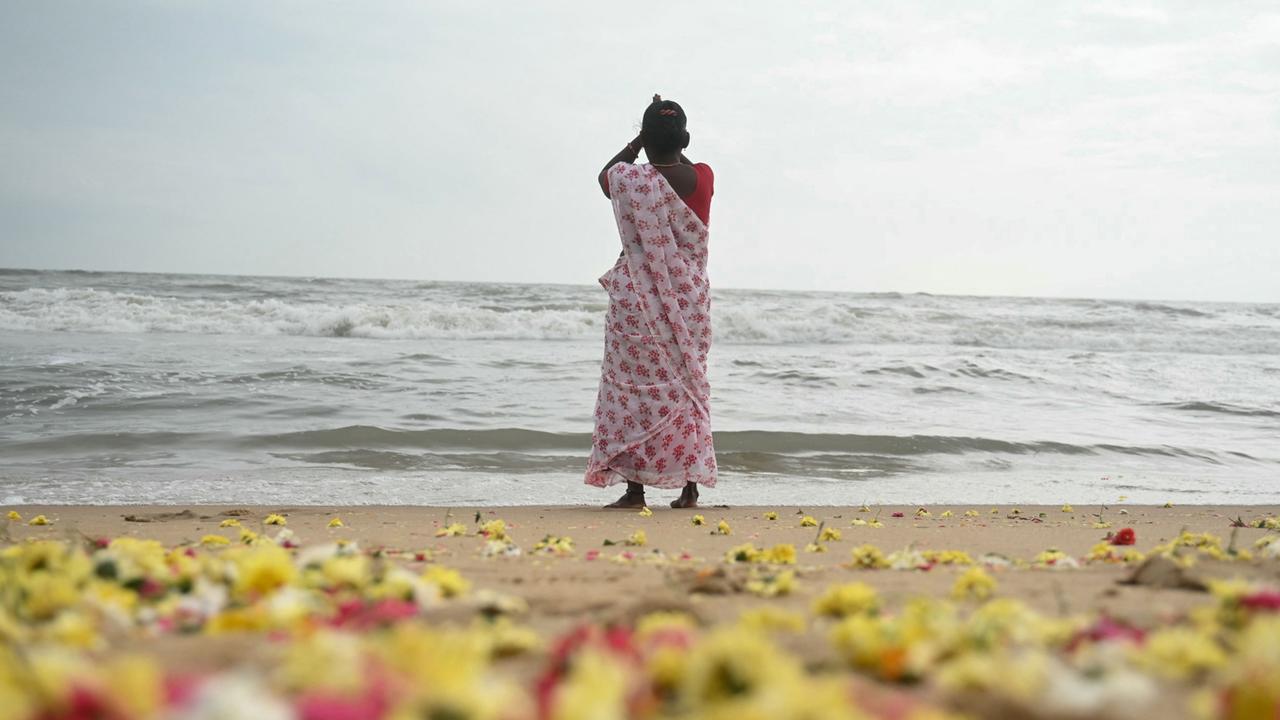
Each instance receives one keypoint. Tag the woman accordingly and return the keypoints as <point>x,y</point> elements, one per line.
<point>653,414</point>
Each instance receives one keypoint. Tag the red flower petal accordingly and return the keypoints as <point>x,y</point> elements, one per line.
<point>1126,536</point>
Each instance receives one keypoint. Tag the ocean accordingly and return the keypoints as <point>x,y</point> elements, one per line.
<point>163,388</point>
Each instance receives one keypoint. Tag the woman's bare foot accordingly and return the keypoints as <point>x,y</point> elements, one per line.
<point>632,498</point>
<point>688,497</point>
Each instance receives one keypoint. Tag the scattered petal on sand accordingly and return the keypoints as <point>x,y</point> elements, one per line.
<point>973,584</point>
<point>495,529</point>
<point>1124,536</point>
<point>848,599</point>
<point>561,546</point>
<point>331,631</point>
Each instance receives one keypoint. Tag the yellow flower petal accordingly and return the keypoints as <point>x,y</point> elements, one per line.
<point>974,584</point>
<point>848,599</point>
<point>449,581</point>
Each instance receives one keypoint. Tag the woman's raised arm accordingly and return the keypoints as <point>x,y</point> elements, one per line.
<point>627,154</point>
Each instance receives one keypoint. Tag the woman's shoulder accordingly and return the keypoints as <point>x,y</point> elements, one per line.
<point>706,178</point>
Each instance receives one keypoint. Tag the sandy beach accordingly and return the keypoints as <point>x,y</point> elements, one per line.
<point>564,591</point>
<point>1045,557</point>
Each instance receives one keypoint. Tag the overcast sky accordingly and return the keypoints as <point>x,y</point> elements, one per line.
<point>1108,149</point>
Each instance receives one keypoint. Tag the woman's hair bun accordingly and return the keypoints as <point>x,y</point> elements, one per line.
<point>663,127</point>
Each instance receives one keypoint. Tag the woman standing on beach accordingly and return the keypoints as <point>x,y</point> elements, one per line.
<point>653,410</point>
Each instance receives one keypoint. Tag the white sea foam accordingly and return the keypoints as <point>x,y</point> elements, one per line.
<point>89,310</point>
<point>740,317</point>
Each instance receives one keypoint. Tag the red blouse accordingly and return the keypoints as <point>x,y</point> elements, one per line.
<point>699,201</point>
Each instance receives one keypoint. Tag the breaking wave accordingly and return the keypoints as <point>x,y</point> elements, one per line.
<point>482,312</point>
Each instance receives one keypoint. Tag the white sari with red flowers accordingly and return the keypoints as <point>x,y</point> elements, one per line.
<point>653,411</point>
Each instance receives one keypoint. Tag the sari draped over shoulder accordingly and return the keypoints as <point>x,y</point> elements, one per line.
<point>653,410</point>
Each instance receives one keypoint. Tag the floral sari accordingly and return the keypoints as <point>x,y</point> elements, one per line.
<point>653,410</point>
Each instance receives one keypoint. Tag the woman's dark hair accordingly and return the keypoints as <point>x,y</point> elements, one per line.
<point>662,130</point>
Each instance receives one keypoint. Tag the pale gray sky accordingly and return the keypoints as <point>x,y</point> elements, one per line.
<point>1107,149</point>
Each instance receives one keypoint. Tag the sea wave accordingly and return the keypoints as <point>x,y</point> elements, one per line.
<point>1177,310</point>
<point>482,312</point>
<point>91,310</point>
<point>526,441</point>
<point>1221,408</point>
